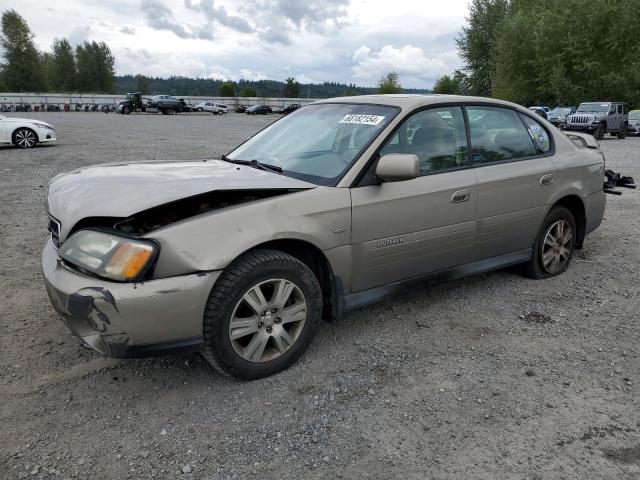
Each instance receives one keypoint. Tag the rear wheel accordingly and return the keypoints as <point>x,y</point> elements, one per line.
<point>25,138</point>
<point>261,315</point>
<point>127,110</point>
<point>599,132</point>
<point>622,134</point>
<point>554,245</point>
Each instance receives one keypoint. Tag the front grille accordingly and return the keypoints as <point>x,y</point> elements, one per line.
<point>581,119</point>
<point>54,228</point>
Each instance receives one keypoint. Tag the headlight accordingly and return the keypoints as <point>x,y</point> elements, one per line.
<point>108,255</point>
<point>43,125</point>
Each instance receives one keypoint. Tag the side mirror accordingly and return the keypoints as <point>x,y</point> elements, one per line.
<point>396,167</point>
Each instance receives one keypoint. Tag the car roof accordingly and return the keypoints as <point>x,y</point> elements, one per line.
<point>411,101</point>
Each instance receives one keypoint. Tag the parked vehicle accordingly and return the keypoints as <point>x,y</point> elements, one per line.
<point>133,102</point>
<point>240,109</point>
<point>634,122</point>
<point>25,133</point>
<point>215,108</point>
<point>558,115</point>
<point>599,118</point>
<point>166,104</point>
<point>292,107</point>
<point>333,207</point>
<point>259,110</point>
<point>540,111</point>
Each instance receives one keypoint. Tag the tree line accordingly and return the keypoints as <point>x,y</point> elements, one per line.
<point>87,68</point>
<point>549,52</point>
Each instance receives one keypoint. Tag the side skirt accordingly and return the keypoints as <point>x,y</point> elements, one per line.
<point>360,299</point>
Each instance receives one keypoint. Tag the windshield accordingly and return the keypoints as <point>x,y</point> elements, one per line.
<point>634,116</point>
<point>561,111</point>
<point>317,143</point>
<point>593,107</point>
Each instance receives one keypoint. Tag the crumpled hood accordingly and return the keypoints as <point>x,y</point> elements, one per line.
<point>122,189</point>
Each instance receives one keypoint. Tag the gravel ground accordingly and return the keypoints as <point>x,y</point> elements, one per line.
<point>489,377</point>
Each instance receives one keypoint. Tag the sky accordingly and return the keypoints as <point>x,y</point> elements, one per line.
<point>351,41</point>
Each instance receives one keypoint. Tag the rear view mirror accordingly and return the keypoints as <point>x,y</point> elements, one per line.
<point>396,167</point>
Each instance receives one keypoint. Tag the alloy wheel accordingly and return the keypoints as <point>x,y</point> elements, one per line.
<point>556,246</point>
<point>268,320</point>
<point>25,138</point>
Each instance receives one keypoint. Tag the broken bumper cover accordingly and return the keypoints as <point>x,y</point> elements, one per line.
<point>129,319</point>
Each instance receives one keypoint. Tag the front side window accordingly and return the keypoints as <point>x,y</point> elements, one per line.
<point>436,136</point>
<point>317,143</point>
<point>497,134</point>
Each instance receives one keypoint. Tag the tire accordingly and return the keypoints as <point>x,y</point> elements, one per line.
<point>127,110</point>
<point>200,109</point>
<point>264,350</point>
<point>24,138</point>
<point>622,134</point>
<point>599,132</point>
<point>544,249</point>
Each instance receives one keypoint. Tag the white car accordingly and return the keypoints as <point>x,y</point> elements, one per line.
<point>25,132</point>
<point>215,108</point>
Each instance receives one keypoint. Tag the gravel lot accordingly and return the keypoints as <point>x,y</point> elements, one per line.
<point>489,377</point>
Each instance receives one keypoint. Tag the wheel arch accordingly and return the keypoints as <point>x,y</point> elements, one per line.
<point>576,206</point>
<point>317,262</point>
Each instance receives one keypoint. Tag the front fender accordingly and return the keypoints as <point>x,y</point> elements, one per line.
<point>210,241</point>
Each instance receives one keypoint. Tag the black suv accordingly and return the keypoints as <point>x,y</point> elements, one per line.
<point>292,107</point>
<point>599,118</point>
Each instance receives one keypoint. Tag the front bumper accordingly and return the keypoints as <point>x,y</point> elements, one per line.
<point>46,135</point>
<point>580,127</point>
<point>128,319</point>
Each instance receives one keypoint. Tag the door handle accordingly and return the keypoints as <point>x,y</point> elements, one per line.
<point>461,196</point>
<point>546,179</point>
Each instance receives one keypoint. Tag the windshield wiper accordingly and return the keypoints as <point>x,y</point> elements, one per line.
<point>265,166</point>
<point>253,163</point>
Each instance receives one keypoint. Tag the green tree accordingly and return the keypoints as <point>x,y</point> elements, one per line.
<point>62,72</point>
<point>291,88</point>
<point>227,89</point>
<point>142,85</point>
<point>542,58</point>
<point>22,69</point>
<point>477,43</point>
<point>390,83</point>
<point>447,85</point>
<point>95,67</point>
<point>248,92</point>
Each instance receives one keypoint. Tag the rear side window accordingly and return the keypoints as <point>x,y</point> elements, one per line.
<point>538,134</point>
<point>498,134</point>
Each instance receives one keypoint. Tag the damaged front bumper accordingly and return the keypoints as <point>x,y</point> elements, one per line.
<point>129,319</point>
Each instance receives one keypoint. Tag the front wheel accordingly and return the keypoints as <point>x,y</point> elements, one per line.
<point>25,138</point>
<point>261,315</point>
<point>554,245</point>
<point>599,132</point>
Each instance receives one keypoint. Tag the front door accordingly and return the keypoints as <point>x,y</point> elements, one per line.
<point>410,228</point>
<point>516,178</point>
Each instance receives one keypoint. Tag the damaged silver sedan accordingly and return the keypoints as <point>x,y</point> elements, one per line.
<point>335,206</point>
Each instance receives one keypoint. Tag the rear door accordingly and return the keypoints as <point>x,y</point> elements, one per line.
<point>511,155</point>
<point>410,228</point>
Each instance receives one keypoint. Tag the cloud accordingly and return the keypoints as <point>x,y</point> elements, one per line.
<point>160,17</point>
<point>408,61</point>
<point>302,78</point>
<point>276,20</point>
<point>220,15</point>
<point>79,35</point>
<point>127,30</point>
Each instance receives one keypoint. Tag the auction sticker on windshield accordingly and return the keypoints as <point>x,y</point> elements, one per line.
<point>362,119</point>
